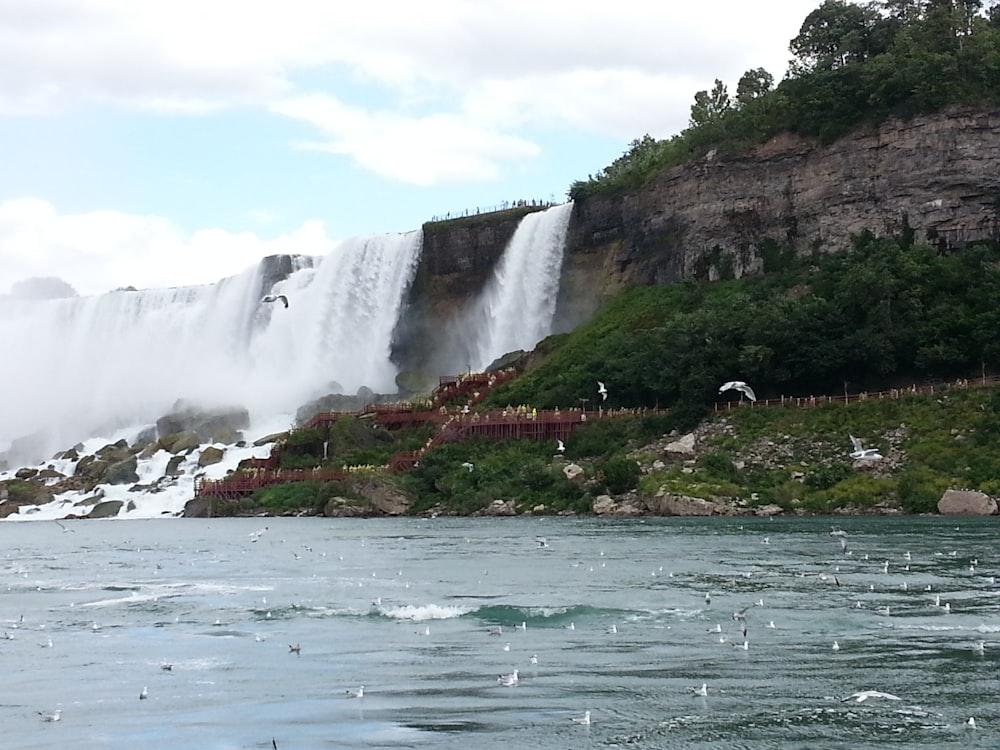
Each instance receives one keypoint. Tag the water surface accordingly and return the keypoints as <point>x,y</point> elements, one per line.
<point>406,608</point>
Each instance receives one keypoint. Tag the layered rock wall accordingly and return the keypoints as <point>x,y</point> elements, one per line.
<point>937,177</point>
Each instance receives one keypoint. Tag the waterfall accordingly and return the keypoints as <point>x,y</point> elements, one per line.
<point>74,367</point>
<point>516,308</point>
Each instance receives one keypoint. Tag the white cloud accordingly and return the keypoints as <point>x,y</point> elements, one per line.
<point>196,55</point>
<point>426,150</point>
<point>103,250</point>
<point>443,91</point>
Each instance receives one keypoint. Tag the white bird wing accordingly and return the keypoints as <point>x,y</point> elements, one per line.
<point>856,442</point>
<point>728,385</point>
<point>601,388</point>
<point>748,391</point>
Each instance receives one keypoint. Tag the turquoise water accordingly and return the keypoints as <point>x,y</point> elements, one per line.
<point>406,608</point>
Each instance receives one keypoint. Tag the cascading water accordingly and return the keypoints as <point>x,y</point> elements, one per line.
<point>81,365</point>
<point>516,308</point>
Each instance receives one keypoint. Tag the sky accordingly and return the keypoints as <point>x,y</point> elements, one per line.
<point>175,142</point>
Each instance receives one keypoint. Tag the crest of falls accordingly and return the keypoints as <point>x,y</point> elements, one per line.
<point>517,305</point>
<point>79,366</point>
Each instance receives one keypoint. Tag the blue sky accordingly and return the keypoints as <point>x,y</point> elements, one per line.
<point>171,142</point>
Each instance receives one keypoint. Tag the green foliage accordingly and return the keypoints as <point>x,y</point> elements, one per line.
<point>619,474</point>
<point>825,477</point>
<point>720,465</point>
<point>857,491</point>
<point>920,488</point>
<point>519,471</point>
<point>298,496</point>
<point>886,312</point>
<point>855,65</point>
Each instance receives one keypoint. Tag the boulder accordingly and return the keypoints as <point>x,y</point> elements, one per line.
<point>113,451</point>
<point>384,497</point>
<point>180,442</point>
<point>205,424</point>
<point>174,466</point>
<point>500,508</point>
<point>966,503</point>
<point>122,472</point>
<point>346,507</point>
<point>211,455</point>
<point>668,504</point>
<point>573,472</point>
<point>605,505</point>
<point>683,445</point>
<point>272,438</point>
<point>106,509</point>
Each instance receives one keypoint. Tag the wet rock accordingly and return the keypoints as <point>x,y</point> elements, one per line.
<point>122,472</point>
<point>106,509</point>
<point>211,455</point>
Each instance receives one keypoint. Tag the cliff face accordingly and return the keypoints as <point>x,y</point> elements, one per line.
<point>937,177</point>
<point>456,261</point>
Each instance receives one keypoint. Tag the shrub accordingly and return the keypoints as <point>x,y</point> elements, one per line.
<point>619,474</point>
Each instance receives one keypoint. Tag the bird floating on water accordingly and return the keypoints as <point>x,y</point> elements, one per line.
<point>703,690</point>
<point>143,694</point>
<point>54,716</point>
<point>296,649</point>
<point>359,693</point>
<point>275,298</point>
<point>738,385</point>
<point>507,680</point>
<point>585,719</point>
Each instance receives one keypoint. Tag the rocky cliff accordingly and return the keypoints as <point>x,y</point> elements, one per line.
<point>936,177</point>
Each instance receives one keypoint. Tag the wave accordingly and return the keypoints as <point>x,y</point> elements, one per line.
<point>508,614</point>
<point>419,613</point>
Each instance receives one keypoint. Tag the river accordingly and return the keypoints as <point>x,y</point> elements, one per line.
<point>619,615</point>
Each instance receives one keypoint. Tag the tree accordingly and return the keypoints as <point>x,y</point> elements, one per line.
<point>836,34</point>
<point>709,107</point>
<point>753,85</point>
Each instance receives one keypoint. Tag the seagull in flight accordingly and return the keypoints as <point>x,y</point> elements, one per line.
<point>275,298</point>
<point>560,446</point>
<point>860,453</point>
<point>864,695</point>
<point>738,385</point>
<point>468,465</point>
<point>602,390</point>
<point>64,528</point>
